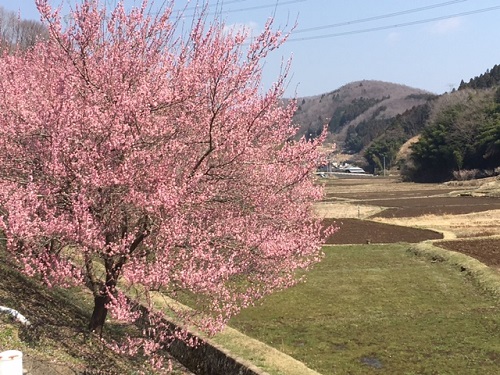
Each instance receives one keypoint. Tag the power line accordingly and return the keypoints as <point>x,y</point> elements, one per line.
<point>218,4</point>
<point>383,16</point>
<point>427,20</point>
<point>275,5</point>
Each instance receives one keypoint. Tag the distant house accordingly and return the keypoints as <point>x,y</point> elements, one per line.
<point>354,170</point>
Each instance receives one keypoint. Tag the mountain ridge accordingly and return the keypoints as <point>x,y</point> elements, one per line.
<point>352,104</point>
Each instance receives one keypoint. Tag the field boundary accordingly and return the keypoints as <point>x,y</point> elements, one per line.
<point>486,277</point>
<point>229,352</point>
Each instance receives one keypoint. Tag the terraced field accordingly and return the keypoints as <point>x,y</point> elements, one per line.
<point>373,306</point>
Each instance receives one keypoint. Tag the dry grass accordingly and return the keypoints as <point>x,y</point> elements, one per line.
<point>378,184</point>
<point>489,187</point>
<point>328,210</point>
<point>267,358</point>
<point>453,226</point>
<point>405,150</point>
<point>478,224</point>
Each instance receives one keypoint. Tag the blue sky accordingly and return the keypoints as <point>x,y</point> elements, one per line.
<point>427,44</point>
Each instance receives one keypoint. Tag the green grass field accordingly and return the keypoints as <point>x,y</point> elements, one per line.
<point>376,309</point>
<point>366,309</point>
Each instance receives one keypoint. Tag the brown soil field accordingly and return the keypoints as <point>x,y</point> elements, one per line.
<point>486,250</point>
<point>412,207</point>
<point>398,199</point>
<point>391,194</point>
<point>407,212</point>
<point>354,231</point>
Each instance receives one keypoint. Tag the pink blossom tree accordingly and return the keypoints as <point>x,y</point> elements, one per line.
<point>133,155</point>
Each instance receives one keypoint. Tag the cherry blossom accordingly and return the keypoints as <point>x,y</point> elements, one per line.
<point>133,157</point>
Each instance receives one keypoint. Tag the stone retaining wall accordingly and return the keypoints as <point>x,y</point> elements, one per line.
<point>207,359</point>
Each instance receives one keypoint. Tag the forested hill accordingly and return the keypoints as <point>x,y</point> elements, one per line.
<point>486,80</point>
<point>356,113</point>
<point>460,140</point>
<point>454,135</point>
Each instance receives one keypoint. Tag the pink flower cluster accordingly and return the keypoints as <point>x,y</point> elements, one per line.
<point>129,154</point>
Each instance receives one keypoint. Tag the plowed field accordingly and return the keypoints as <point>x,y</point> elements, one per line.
<point>486,250</point>
<point>411,202</point>
<point>419,206</point>
<point>354,231</point>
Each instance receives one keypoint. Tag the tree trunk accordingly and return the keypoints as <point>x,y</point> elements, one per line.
<point>99,314</point>
<point>101,294</point>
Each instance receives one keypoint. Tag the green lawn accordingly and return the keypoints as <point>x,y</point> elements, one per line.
<point>375,309</point>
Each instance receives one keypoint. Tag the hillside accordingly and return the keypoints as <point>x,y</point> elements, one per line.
<point>355,104</point>
<point>57,341</point>
<point>460,139</point>
<point>455,135</point>
<point>16,33</point>
<point>488,79</point>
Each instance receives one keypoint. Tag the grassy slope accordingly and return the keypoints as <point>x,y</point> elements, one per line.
<point>376,309</point>
<point>261,358</point>
<point>57,342</point>
<point>362,308</point>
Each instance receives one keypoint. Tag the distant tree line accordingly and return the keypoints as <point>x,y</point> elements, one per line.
<point>16,33</point>
<point>486,80</point>
<point>396,132</point>
<point>463,136</point>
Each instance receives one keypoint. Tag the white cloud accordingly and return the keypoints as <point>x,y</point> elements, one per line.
<point>446,26</point>
<point>393,38</point>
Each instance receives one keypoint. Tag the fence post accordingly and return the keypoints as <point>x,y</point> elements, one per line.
<point>11,362</point>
